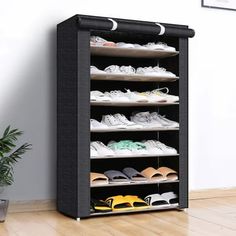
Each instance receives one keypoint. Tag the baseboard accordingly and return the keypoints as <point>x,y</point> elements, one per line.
<point>35,205</point>
<point>50,205</point>
<point>212,193</point>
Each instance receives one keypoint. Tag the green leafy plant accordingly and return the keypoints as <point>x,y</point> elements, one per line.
<point>10,155</point>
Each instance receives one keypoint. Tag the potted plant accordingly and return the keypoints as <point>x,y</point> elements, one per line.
<point>9,155</point>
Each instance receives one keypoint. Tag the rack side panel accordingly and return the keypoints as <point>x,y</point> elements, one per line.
<point>72,185</point>
<point>183,118</point>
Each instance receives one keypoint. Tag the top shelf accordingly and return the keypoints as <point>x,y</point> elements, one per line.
<point>130,52</point>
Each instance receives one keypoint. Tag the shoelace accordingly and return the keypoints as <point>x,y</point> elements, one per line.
<point>160,91</point>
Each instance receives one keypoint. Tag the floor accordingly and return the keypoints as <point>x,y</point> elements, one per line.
<point>215,216</point>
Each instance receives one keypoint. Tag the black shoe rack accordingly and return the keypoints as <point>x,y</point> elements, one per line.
<point>74,110</point>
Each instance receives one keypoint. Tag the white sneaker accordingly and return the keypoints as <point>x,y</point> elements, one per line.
<point>135,96</point>
<point>166,47</point>
<point>129,70</point>
<point>166,149</point>
<point>112,122</point>
<point>170,123</point>
<point>153,97</point>
<point>99,96</point>
<point>124,45</point>
<point>117,96</point>
<point>154,71</point>
<point>95,70</point>
<point>98,41</point>
<point>152,148</point>
<point>169,98</point>
<point>163,72</point>
<point>126,122</point>
<point>145,119</point>
<point>158,118</point>
<point>95,125</point>
<point>114,69</point>
<point>138,46</point>
<point>160,46</point>
<point>93,152</point>
<point>154,46</point>
<point>102,149</point>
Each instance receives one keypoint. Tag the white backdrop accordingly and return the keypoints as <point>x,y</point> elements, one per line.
<point>28,84</point>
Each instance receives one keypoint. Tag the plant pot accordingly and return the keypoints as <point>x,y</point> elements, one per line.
<point>3,209</point>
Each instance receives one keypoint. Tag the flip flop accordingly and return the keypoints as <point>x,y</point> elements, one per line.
<point>119,203</point>
<point>136,202</point>
<point>171,198</point>
<point>116,177</point>
<point>134,175</point>
<point>153,175</point>
<point>98,179</point>
<point>99,206</point>
<point>156,200</point>
<point>168,173</point>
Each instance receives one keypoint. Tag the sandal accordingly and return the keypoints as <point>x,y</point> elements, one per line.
<point>119,203</point>
<point>153,175</point>
<point>156,200</point>
<point>171,198</point>
<point>134,175</point>
<point>136,202</point>
<point>116,177</point>
<point>98,179</point>
<point>99,206</point>
<point>168,173</point>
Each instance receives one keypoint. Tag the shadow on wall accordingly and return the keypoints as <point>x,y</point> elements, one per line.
<point>31,107</point>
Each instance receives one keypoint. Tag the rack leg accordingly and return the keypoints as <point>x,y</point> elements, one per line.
<point>77,219</point>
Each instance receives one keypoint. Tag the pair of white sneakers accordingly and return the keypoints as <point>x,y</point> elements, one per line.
<point>117,96</point>
<point>153,120</point>
<point>129,70</point>
<point>116,121</point>
<point>156,147</point>
<point>151,46</point>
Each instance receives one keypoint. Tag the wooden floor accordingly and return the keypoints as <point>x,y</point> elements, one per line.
<point>215,216</point>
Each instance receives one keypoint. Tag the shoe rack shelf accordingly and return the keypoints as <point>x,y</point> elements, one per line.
<point>133,183</point>
<point>130,52</point>
<point>134,104</point>
<point>133,78</point>
<point>74,109</point>
<point>171,207</point>
<point>135,156</point>
<point>131,130</point>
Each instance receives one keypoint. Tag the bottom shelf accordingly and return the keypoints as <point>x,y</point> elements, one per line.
<point>173,206</point>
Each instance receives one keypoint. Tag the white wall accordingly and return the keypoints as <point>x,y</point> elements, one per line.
<point>28,84</point>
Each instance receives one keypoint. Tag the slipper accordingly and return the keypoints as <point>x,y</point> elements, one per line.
<point>171,198</point>
<point>134,175</point>
<point>156,200</point>
<point>136,202</point>
<point>98,41</point>
<point>153,175</point>
<point>168,173</point>
<point>116,177</point>
<point>98,179</point>
<point>99,206</point>
<point>119,203</point>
